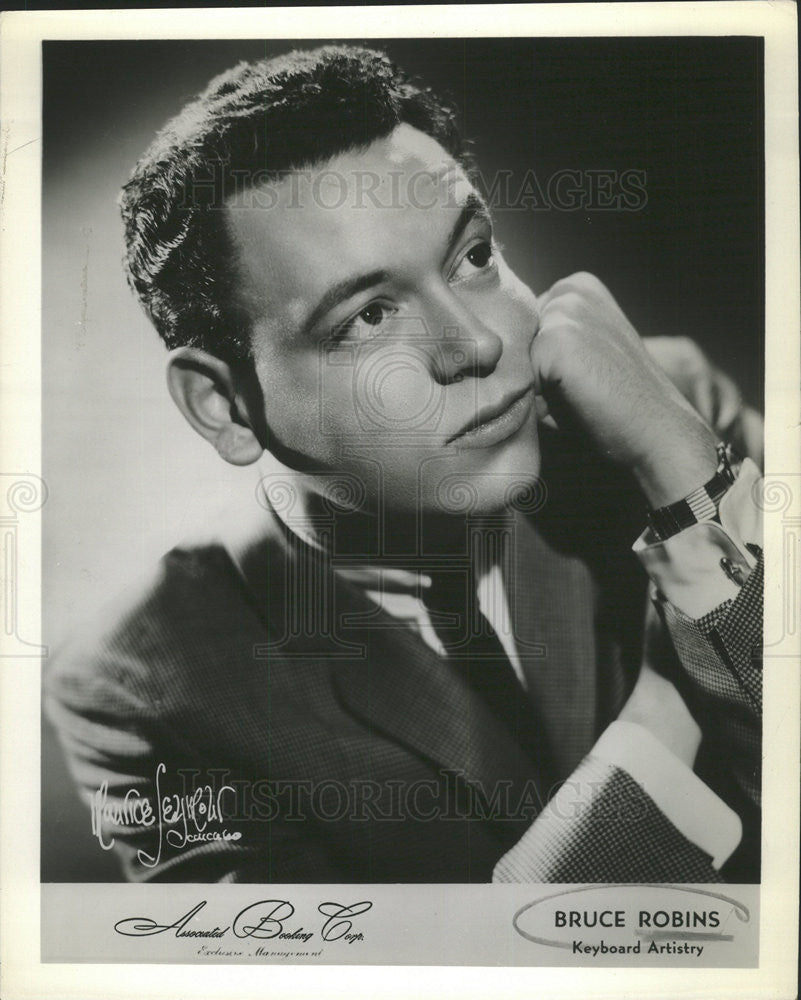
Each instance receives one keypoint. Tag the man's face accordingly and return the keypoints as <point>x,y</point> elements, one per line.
<point>391,340</point>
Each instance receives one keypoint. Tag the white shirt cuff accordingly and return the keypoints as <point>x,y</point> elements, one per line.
<point>690,805</point>
<point>688,568</point>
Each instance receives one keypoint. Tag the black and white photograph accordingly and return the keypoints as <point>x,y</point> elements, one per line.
<point>403,498</point>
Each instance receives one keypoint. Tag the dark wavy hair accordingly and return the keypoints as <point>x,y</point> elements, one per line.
<point>257,120</point>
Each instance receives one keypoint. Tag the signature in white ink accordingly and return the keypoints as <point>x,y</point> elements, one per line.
<point>181,820</point>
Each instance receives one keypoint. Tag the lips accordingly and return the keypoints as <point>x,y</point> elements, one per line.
<point>495,422</point>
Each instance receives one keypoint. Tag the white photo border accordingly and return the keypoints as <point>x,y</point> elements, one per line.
<point>20,454</point>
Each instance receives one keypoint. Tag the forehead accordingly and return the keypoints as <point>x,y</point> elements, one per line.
<point>370,208</point>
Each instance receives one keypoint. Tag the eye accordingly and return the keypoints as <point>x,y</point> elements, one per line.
<point>366,322</point>
<point>479,257</point>
<point>373,315</point>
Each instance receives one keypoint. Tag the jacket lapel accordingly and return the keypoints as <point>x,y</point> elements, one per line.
<point>403,689</point>
<point>389,678</point>
<point>552,602</point>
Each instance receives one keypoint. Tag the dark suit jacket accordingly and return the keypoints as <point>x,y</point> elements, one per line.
<point>355,752</point>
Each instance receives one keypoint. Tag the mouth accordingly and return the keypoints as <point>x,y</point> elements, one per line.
<point>496,423</point>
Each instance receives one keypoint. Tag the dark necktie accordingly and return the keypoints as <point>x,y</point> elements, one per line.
<point>473,646</point>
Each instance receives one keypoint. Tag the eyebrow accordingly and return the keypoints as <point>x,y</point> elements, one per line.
<point>342,291</point>
<point>474,207</point>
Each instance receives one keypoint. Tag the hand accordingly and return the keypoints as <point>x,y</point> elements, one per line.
<point>591,366</point>
<point>713,395</point>
<point>656,705</point>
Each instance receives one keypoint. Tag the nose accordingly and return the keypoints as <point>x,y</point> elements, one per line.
<point>462,345</point>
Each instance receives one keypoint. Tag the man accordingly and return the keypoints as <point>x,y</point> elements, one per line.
<point>422,652</point>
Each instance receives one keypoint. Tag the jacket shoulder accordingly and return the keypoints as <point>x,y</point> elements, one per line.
<point>193,614</point>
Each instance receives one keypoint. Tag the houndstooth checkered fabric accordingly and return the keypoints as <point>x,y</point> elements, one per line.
<point>602,827</point>
<point>722,654</point>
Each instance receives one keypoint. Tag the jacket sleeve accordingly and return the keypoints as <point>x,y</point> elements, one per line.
<point>601,826</point>
<point>721,653</point>
<point>707,585</point>
<point>121,756</point>
<point>620,818</point>
<point>707,581</point>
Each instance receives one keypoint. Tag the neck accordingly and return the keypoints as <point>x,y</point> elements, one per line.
<point>399,538</point>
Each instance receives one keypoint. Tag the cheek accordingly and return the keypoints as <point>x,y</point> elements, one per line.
<point>520,298</point>
<point>363,394</point>
<point>386,389</point>
<point>291,399</point>
<point>390,390</point>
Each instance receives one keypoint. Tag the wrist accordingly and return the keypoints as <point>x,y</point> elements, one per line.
<point>676,468</point>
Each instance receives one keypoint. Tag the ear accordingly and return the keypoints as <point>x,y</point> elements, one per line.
<point>207,391</point>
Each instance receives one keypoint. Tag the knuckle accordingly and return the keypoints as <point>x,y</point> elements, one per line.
<point>588,281</point>
<point>571,300</point>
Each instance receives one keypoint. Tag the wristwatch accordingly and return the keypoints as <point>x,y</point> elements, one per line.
<point>700,505</point>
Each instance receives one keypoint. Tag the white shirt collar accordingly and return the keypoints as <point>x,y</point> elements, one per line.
<point>396,590</point>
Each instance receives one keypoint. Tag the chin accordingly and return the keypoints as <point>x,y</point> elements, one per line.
<point>519,491</point>
<point>512,470</point>
<point>509,480</point>
<point>469,483</point>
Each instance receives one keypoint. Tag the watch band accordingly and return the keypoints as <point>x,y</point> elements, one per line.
<point>700,505</point>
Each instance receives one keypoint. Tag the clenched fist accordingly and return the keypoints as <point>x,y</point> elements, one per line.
<point>592,368</point>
